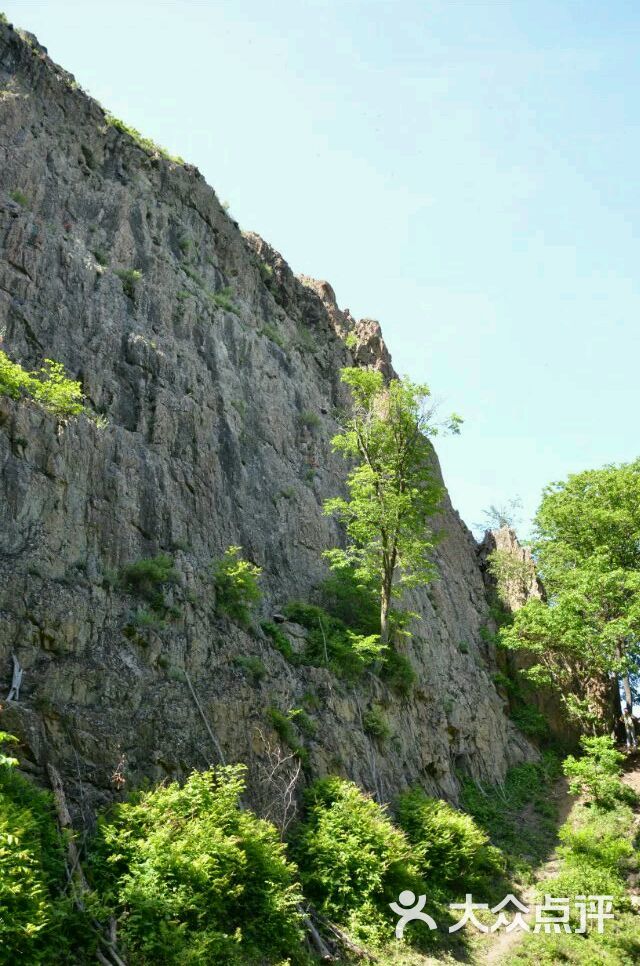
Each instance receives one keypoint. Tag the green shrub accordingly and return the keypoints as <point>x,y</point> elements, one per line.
<point>270,332</point>
<point>192,877</point>
<point>284,727</point>
<point>148,579</point>
<point>129,277</point>
<point>38,923</point>
<point>530,721</point>
<point>597,773</point>
<point>101,256</point>
<point>398,672</point>
<point>451,851</point>
<point>376,723</point>
<point>280,641</point>
<point>352,859</point>
<point>146,618</point>
<point>351,340</point>
<point>20,198</point>
<point>50,387</point>
<point>224,300</point>
<point>309,419</point>
<point>331,642</point>
<point>352,600</point>
<point>236,583</point>
<point>252,665</point>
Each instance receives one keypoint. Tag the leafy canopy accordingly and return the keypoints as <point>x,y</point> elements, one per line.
<point>587,547</point>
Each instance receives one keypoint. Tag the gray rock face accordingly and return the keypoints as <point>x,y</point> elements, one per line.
<point>220,408</point>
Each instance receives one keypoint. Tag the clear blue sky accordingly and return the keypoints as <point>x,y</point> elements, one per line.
<point>466,172</point>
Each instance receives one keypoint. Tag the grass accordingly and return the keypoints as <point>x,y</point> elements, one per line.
<point>223,300</point>
<point>286,730</point>
<point>309,419</point>
<point>20,198</point>
<point>596,855</point>
<point>498,810</point>
<point>146,144</point>
<point>252,665</point>
<point>271,333</point>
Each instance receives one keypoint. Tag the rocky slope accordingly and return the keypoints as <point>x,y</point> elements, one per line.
<point>220,408</point>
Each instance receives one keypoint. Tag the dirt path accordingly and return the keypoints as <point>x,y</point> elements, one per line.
<point>501,943</point>
<point>504,942</point>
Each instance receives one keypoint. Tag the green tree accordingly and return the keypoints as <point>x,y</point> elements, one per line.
<point>394,489</point>
<point>587,548</point>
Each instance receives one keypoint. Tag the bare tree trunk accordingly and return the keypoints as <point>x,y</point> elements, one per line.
<point>385,607</point>
<point>628,694</point>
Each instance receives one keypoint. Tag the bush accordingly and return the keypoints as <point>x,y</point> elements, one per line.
<point>38,923</point>
<point>398,672</point>
<point>352,860</point>
<point>284,726</point>
<point>270,332</point>
<point>224,300</point>
<point>192,877</point>
<point>597,773</point>
<point>331,642</point>
<point>376,723</point>
<point>129,277</point>
<point>252,665</point>
<point>50,387</point>
<point>280,641</point>
<point>309,419</point>
<point>452,852</point>
<point>236,583</point>
<point>148,579</point>
<point>352,600</point>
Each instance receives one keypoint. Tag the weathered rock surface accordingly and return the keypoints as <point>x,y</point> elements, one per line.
<point>218,433</point>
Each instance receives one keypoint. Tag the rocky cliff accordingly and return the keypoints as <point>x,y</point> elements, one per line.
<point>215,372</point>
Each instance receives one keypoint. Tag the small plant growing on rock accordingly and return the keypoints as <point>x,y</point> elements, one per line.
<point>129,277</point>
<point>376,723</point>
<point>148,579</point>
<point>20,198</point>
<point>236,583</point>
<point>223,299</point>
<point>252,665</point>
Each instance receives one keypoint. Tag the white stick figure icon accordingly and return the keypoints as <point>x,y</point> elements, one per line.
<point>408,912</point>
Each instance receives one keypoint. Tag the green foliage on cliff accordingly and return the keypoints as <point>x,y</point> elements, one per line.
<point>331,643</point>
<point>149,578</point>
<point>192,877</point>
<point>50,386</point>
<point>143,142</point>
<point>236,583</point>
